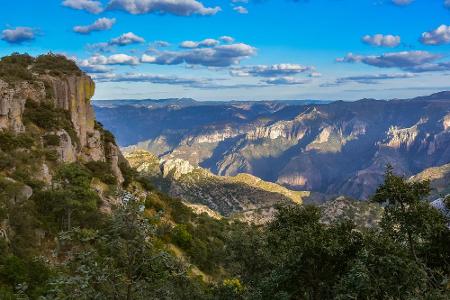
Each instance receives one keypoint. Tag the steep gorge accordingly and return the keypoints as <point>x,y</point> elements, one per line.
<point>339,148</point>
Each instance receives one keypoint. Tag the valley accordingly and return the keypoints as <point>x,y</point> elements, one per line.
<point>338,148</point>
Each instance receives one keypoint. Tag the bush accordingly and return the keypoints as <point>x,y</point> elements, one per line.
<point>10,142</point>
<point>102,170</point>
<point>107,136</point>
<point>52,140</point>
<point>56,65</point>
<point>51,155</point>
<point>16,271</point>
<point>181,236</point>
<point>48,117</point>
<point>14,68</point>
<point>74,174</point>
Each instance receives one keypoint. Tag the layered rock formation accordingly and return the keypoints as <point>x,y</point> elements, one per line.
<point>244,195</point>
<point>340,148</point>
<point>71,93</point>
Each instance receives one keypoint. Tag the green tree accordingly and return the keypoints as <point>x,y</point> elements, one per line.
<point>124,263</point>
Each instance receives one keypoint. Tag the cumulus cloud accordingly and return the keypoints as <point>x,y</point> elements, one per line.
<point>92,6</point>
<point>402,2</point>
<point>402,60</point>
<point>97,60</point>
<point>241,10</point>
<point>88,68</point>
<point>160,44</point>
<point>179,8</point>
<point>381,40</point>
<point>218,56</point>
<point>229,39</point>
<point>18,35</point>
<point>99,25</point>
<point>201,44</point>
<point>270,70</point>
<point>123,40</point>
<point>286,80</point>
<point>439,36</point>
<point>127,39</point>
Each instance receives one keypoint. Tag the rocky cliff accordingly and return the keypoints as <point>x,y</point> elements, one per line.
<point>243,195</point>
<point>82,138</point>
<point>340,148</point>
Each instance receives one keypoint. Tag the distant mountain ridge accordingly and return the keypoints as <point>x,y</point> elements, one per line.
<point>184,102</point>
<point>339,148</point>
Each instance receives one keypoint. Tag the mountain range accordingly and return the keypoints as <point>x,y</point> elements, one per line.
<point>337,148</point>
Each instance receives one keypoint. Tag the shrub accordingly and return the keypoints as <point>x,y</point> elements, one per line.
<point>181,236</point>
<point>10,141</point>
<point>102,170</point>
<point>52,140</point>
<point>48,117</point>
<point>74,174</point>
<point>56,65</point>
<point>15,67</point>
<point>51,155</point>
<point>107,136</point>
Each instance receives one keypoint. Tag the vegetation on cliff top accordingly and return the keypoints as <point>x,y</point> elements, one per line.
<point>21,67</point>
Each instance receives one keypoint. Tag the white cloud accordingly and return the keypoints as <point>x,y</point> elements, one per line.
<point>92,6</point>
<point>374,78</point>
<point>403,60</point>
<point>402,2</point>
<point>115,59</point>
<point>201,44</point>
<point>241,10</point>
<point>18,35</point>
<point>127,39</point>
<point>151,78</point>
<point>439,36</point>
<point>122,59</point>
<point>175,7</point>
<point>381,40</point>
<point>147,58</point>
<point>229,39</point>
<point>160,44</point>
<point>218,56</point>
<point>99,25</point>
<point>315,74</point>
<point>287,80</point>
<point>270,70</point>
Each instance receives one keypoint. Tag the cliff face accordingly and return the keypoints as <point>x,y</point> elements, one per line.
<point>339,148</point>
<point>71,94</point>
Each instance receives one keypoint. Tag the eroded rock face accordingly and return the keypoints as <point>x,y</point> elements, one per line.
<point>341,148</point>
<point>12,102</point>
<point>74,93</point>
<point>71,93</point>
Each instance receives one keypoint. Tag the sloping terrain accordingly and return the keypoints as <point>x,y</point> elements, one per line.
<point>242,193</point>
<point>341,148</point>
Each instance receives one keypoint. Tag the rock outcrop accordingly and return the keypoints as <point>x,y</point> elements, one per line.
<point>71,93</point>
<point>245,196</point>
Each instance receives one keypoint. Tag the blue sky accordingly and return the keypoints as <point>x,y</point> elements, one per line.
<point>241,49</point>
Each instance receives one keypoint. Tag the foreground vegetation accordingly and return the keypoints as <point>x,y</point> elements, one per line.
<point>156,248</point>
